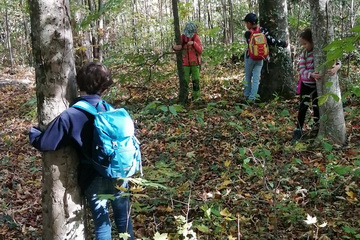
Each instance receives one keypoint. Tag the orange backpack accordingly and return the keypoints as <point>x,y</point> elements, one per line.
<point>258,47</point>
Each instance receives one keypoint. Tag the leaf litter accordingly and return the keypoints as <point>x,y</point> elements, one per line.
<point>230,168</point>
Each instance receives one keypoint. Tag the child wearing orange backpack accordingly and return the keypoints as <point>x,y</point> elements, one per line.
<point>257,39</point>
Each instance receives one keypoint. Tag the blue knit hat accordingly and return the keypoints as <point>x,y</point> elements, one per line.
<point>190,29</point>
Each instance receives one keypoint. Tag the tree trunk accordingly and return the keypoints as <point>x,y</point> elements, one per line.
<point>93,31</point>
<point>134,29</point>
<point>231,21</point>
<point>25,48</point>
<point>183,94</point>
<point>332,121</point>
<point>82,40</point>
<point>352,14</point>
<point>100,33</point>
<point>252,4</point>
<point>225,24</point>
<point>199,11</point>
<point>8,40</point>
<point>209,20</point>
<point>277,75</point>
<point>52,42</point>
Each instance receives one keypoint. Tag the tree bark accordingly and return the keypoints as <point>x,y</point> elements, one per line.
<point>352,14</point>
<point>231,21</point>
<point>277,74</point>
<point>134,29</point>
<point>183,94</point>
<point>52,42</point>
<point>82,39</point>
<point>332,121</point>
<point>8,40</point>
<point>225,22</point>
<point>199,11</point>
<point>93,31</point>
<point>100,33</point>
<point>209,20</point>
<point>25,20</point>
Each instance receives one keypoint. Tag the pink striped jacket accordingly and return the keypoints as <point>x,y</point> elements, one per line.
<point>306,67</point>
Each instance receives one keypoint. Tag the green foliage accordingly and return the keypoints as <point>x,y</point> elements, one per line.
<point>185,9</point>
<point>157,107</point>
<point>324,98</point>
<point>218,54</point>
<point>7,220</point>
<point>336,49</point>
<point>136,66</point>
<point>111,5</point>
<point>295,22</point>
<point>28,109</point>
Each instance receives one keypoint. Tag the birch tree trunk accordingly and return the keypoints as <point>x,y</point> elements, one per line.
<point>332,121</point>
<point>52,44</point>
<point>352,14</point>
<point>183,93</point>
<point>277,75</point>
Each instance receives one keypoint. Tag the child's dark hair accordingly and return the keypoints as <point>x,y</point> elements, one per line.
<point>306,35</point>
<point>93,78</point>
<point>251,18</point>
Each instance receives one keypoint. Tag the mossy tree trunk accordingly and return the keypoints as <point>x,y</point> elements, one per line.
<point>183,93</point>
<point>277,74</point>
<point>52,43</point>
<point>332,121</point>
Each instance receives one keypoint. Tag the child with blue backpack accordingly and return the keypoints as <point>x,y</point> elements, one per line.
<point>75,127</point>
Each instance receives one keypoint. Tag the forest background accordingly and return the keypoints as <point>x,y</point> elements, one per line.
<point>230,169</point>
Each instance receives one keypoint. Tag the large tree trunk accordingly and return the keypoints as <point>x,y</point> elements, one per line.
<point>52,43</point>
<point>183,94</point>
<point>277,75</point>
<point>332,121</point>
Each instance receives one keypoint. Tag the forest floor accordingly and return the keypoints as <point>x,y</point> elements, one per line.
<point>230,168</point>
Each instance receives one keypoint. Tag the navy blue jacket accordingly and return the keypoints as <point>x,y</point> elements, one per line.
<point>72,127</point>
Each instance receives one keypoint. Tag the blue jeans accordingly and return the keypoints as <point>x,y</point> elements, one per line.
<point>252,77</point>
<point>100,211</point>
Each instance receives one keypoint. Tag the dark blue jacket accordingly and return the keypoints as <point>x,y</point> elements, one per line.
<point>72,127</point>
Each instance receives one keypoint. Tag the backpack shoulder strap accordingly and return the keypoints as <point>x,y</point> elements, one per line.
<point>256,30</point>
<point>84,105</point>
<point>104,106</point>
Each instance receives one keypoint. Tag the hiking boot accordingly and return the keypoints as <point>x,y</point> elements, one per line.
<point>296,135</point>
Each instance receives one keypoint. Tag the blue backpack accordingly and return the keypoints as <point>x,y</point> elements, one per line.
<point>116,150</point>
